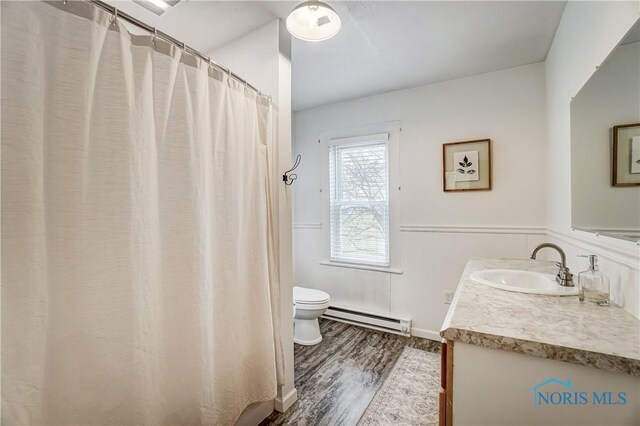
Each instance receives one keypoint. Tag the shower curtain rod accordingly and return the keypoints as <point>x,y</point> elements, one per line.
<point>121,15</point>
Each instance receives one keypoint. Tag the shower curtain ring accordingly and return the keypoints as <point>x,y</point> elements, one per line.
<point>155,35</point>
<point>115,15</point>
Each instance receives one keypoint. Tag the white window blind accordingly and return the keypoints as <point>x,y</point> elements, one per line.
<point>359,202</point>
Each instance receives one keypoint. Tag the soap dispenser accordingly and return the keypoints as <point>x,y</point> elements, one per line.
<point>593,284</point>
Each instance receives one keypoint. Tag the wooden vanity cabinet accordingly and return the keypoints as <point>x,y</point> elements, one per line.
<point>445,409</point>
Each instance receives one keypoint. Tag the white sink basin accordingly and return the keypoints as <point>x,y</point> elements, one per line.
<point>522,282</point>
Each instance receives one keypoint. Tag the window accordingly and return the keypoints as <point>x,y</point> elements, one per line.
<point>359,200</point>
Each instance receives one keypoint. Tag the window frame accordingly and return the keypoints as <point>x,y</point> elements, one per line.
<point>365,135</point>
<point>355,142</point>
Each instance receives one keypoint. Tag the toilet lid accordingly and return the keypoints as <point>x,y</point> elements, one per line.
<point>309,295</point>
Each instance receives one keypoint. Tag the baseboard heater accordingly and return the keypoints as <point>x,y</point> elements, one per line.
<point>370,320</point>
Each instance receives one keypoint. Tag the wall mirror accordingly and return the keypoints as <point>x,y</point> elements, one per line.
<point>605,145</point>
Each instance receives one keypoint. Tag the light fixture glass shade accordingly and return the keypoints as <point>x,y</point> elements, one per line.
<point>313,21</point>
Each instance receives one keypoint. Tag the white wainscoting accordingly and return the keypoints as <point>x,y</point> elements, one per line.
<point>624,253</point>
<point>618,259</point>
<point>433,258</point>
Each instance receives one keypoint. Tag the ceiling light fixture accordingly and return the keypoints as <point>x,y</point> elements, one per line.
<point>313,21</point>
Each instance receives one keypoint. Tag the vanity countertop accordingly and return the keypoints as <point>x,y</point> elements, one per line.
<point>559,328</point>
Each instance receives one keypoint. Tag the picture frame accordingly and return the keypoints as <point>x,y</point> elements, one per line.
<point>625,167</point>
<point>466,166</point>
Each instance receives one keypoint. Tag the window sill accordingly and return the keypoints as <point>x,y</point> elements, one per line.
<point>364,267</point>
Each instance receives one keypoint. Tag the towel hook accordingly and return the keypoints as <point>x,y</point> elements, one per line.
<point>288,178</point>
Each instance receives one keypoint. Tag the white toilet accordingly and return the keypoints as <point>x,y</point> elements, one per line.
<point>308,305</point>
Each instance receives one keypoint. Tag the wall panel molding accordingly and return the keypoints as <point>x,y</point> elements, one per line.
<point>307,225</point>
<point>462,229</point>
<point>624,253</point>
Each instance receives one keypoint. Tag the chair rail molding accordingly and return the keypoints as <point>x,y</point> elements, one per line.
<point>477,229</point>
<point>317,225</point>
<point>625,253</point>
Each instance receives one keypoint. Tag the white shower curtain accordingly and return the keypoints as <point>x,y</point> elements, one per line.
<point>138,275</point>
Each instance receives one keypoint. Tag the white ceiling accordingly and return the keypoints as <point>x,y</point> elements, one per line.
<point>383,45</point>
<point>204,24</point>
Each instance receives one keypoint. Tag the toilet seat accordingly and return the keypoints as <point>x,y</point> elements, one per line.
<point>309,296</point>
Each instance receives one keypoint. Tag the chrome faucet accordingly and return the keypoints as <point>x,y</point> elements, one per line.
<point>564,277</point>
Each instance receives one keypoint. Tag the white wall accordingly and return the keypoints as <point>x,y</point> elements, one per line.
<point>587,33</point>
<point>611,97</point>
<point>252,57</point>
<point>508,107</point>
<point>263,57</point>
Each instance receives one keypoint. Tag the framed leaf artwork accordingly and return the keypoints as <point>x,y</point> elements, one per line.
<point>626,155</point>
<point>466,166</point>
